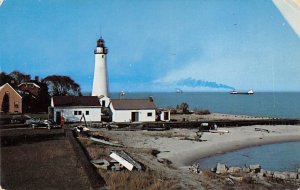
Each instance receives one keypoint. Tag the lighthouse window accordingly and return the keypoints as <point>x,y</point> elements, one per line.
<point>102,56</point>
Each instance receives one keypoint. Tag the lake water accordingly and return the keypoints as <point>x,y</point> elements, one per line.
<point>275,157</point>
<point>272,104</point>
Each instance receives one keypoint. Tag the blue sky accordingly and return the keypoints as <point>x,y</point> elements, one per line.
<point>154,45</point>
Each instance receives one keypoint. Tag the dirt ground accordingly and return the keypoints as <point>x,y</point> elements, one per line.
<point>39,159</point>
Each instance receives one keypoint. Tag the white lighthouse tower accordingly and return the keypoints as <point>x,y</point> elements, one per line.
<point>100,83</point>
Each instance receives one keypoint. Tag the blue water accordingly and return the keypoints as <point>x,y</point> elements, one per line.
<point>272,104</point>
<point>275,157</point>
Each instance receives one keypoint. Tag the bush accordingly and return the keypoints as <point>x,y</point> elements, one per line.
<point>183,108</point>
<point>202,112</point>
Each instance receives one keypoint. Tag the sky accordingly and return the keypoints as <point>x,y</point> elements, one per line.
<point>156,45</point>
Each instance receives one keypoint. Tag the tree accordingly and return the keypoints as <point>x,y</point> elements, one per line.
<point>43,99</point>
<point>4,78</point>
<point>19,77</point>
<point>62,86</point>
<point>184,107</point>
<point>5,103</point>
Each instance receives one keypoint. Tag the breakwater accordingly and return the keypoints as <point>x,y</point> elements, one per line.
<point>231,123</point>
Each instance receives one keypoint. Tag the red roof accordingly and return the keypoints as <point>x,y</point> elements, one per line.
<point>60,101</point>
<point>133,104</point>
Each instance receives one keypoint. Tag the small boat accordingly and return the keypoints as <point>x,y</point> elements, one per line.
<point>178,90</point>
<point>250,92</point>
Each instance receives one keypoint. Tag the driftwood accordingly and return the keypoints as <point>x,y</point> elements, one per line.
<point>262,130</point>
<point>219,131</point>
<point>105,142</point>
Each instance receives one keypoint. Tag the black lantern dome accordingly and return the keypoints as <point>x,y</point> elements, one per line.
<point>101,42</point>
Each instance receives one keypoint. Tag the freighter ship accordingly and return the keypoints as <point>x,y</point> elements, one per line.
<point>250,92</point>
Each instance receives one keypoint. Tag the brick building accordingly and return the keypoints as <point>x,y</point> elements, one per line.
<point>10,99</point>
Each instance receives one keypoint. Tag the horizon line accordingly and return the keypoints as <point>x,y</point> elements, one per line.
<point>193,92</point>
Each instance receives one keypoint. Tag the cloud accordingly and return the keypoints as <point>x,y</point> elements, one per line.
<point>190,82</point>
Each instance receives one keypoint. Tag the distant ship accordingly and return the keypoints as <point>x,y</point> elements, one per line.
<point>178,90</point>
<point>250,92</point>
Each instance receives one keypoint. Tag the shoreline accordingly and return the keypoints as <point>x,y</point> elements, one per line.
<point>173,146</point>
<point>188,162</point>
<point>258,145</point>
<point>227,144</point>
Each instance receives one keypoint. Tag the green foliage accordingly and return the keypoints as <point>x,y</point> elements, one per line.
<point>183,107</point>
<point>62,86</point>
<point>43,100</point>
<point>19,77</point>
<point>4,78</point>
<point>201,111</point>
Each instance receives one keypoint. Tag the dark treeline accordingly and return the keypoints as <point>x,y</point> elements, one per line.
<point>53,85</point>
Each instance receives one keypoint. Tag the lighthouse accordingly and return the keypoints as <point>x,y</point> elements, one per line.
<point>100,83</point>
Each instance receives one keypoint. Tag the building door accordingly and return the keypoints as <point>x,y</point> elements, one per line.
<point>134,116</point>
<point>166,116</point>
<point>58,117</point>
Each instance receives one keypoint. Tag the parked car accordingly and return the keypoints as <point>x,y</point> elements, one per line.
<point>41,123</point>
<point>19,118</point>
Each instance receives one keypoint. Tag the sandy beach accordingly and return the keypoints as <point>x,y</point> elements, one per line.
<point>184,152</point>
<point>170,154</point>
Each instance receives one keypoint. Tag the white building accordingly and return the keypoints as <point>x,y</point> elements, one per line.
<point>100,82</point>
<point>165,115</point>
<point>133,110</point>
<point>73,107</point>
<point>104,101</point>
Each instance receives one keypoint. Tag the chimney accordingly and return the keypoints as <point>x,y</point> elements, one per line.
<point>150,98</point>
<point>36,78</point>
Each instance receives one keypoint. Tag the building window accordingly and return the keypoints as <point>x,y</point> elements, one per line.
<point>75,113</point>
<point>87,112</point>
<point>79,112</point>
<point>16,104</point>
<point>149,114</point>
<point>103,103</point>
